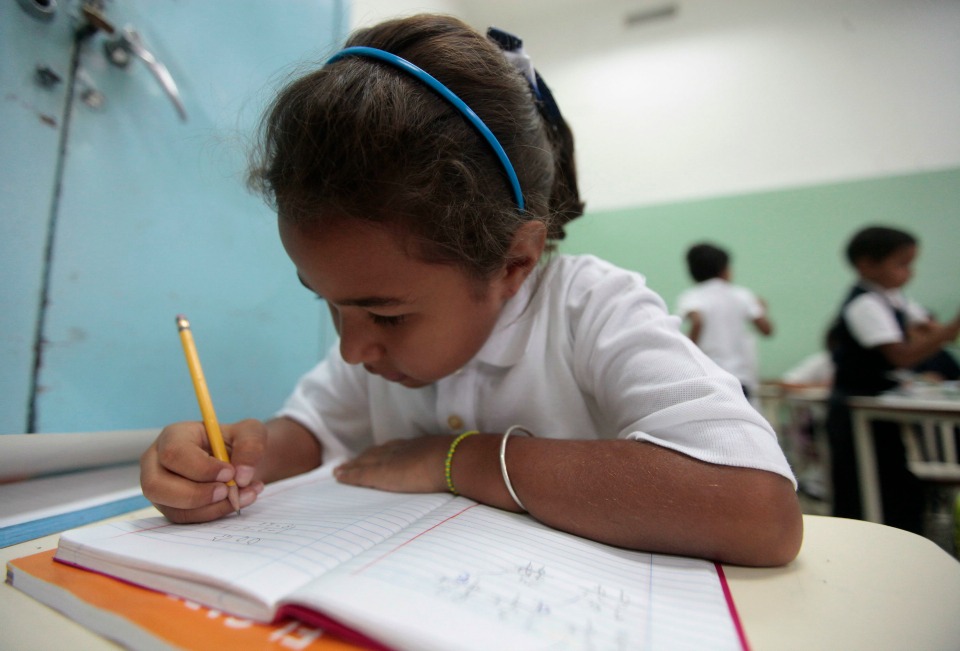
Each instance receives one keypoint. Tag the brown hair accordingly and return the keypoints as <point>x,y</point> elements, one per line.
<point>360,139</point>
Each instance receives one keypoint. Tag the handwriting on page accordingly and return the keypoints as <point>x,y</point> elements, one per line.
<point>259,527</point>
<point>530,597</point>
<point>519,573</point>
<point>482,587</point>
<point>280,543</point>
<point>238,540</point>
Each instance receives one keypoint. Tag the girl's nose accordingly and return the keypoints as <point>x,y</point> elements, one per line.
<point>358,341</point>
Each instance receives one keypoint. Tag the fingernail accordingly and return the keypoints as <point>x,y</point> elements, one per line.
<point>224,475</point>
<point>247,497</point>
<point>244,475</point>
<point>219,493</point>
<point>257,486</point>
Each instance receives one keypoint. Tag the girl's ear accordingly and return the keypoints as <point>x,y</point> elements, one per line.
<point>525,250</point>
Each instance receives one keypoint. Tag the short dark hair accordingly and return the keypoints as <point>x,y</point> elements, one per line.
<point>877,243</point>
<point>706,261</point>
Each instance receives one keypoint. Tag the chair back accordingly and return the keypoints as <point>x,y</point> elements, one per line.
<point>931,448</point>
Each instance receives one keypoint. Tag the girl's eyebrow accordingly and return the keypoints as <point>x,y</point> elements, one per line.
<point>372,301</point>
<point>363,301</point>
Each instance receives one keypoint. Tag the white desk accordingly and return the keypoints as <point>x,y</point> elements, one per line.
<point>855,585</point>
<point>890,408</point>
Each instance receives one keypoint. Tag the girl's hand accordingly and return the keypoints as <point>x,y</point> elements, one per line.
<point>400,465</point>
<point>187,484</point>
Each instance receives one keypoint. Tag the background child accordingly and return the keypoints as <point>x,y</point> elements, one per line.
<point>722,316</point>
<point>424,233</point>
<point>877,331</point>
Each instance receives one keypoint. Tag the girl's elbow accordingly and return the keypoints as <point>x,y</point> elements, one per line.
<point>778,529</point>
<point>784,546</point>
<point>771,527</point>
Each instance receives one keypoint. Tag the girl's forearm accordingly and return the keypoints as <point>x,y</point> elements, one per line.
<point>639,496</point>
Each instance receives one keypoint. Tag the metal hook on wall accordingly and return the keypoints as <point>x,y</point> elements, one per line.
<point>129,42</point>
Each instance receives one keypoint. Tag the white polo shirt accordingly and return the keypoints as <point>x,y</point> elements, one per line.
<point>727,337</point>
<point>590,353</point>
<point>870,316</point>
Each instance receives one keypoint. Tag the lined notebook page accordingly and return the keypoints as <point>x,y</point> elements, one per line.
<point>296,531</point>
<point>457,575</point>
<point>492,579</point>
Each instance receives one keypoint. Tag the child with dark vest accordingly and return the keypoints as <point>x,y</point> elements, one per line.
<point>878,331</point>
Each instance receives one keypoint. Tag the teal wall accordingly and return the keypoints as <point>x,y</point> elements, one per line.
<point>117,216</point>
<point>787,245</point>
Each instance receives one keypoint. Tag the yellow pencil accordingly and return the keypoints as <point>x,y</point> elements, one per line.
<point>214,434</point>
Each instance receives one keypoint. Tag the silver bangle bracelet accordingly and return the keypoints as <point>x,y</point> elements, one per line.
<point>503,461</point>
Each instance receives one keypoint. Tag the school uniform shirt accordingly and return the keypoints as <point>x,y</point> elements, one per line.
<point>727,312</point>
<point>871,315</point>
<point>584,351</point>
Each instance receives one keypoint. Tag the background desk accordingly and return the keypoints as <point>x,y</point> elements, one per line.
<point>890,408</point>
<point>798,415</point>
<point>855,585</point>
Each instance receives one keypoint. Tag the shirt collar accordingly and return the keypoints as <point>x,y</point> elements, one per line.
<point>894,297</point>
<point>511,335</point>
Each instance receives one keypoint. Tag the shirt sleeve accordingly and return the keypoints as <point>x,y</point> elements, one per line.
<point>916,313</point>
<point>686,303</point>
<point>871,321</point>
<point>656,384</point>
<point>752,304</point>
<point>332,401</point>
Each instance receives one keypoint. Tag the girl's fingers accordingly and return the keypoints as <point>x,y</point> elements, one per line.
<point>186,483</point>
<point>183,500</point>
<point>213,511</point>
<point>162,486</point>
<point>183,449</point>
<point>247,441</point>
<point>403,465</point>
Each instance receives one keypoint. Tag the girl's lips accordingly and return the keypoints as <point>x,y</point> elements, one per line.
<point>390,376</point>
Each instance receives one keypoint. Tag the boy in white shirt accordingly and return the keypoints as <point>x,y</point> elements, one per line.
<point>722,316</point>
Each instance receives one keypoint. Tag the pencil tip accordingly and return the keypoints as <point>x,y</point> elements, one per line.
<point>233,496</point>
<point>182,323</point>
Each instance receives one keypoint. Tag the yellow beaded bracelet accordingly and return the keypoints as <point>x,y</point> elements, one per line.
<point>449,462</point>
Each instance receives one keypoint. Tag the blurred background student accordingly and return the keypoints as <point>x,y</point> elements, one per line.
<point>878,331</point>
<point>723,317</point>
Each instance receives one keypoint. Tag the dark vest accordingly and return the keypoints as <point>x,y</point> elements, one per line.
<point>860,371</point>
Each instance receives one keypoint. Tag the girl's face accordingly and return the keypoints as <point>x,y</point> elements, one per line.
<point>892,272</point>
<point>406,320</point>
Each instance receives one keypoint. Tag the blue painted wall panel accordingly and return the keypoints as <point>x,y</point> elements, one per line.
<point>30,124</point>
<point>155,220</point>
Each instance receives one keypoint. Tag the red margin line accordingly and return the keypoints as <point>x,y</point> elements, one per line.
<point>405,543</point>
<point>733,608</point>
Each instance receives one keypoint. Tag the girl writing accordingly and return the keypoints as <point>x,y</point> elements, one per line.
<point>421,177</point>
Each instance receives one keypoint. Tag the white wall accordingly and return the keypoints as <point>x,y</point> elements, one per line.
<point>369,12</point>
<point>733,96</point>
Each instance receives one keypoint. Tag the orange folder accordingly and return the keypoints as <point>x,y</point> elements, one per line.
<point>127,613</point>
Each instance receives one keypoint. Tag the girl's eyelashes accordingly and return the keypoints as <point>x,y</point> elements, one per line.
<point>379,319</point>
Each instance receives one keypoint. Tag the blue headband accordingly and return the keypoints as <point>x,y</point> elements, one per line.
<point>447,94</point>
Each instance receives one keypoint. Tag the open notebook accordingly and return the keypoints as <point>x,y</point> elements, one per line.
<point>426,571</point>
